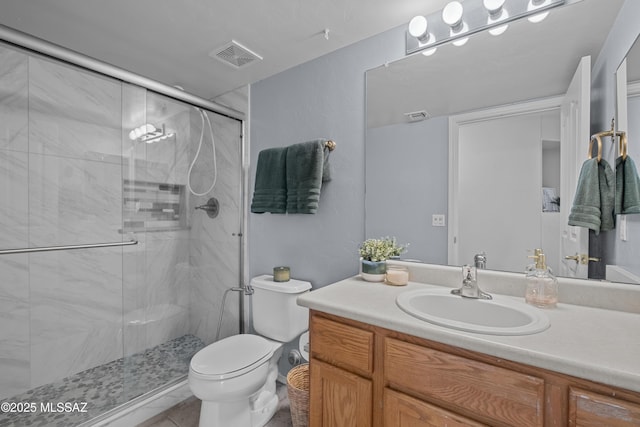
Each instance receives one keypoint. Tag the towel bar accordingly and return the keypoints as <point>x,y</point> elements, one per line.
<point>64,248</point>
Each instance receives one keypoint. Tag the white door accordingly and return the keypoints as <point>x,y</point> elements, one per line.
<point>499,196</point>
<point>575,116</point>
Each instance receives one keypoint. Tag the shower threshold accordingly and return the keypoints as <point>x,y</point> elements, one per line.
<point>88,394</point>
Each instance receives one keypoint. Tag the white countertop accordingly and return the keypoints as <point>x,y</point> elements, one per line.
<point>593,343</point>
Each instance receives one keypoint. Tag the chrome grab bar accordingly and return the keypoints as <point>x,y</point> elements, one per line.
<point>64,248</point>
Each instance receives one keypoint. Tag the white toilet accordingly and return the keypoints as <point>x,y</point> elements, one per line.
<point>236,377</point>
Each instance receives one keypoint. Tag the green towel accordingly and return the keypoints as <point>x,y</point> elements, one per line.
<point>305,164</point>
<point>627,187</point>
<point>594,200</point>
<point>270,190</point>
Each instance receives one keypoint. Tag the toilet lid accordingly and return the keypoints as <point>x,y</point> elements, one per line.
<point>232,356</point>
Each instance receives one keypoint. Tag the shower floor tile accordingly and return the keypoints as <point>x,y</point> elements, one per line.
<point>88,394</point>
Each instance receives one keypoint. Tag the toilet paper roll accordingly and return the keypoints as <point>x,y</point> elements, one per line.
<point>303,345</point>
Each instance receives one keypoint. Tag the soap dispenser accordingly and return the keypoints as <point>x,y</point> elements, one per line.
<point>542,286</point>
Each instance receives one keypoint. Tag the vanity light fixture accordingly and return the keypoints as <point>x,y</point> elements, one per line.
<point>456,23</point>
<point>497,13</point>
<point>452,16</point>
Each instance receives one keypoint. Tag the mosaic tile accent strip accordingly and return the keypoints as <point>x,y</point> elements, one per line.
<point>88,394</point>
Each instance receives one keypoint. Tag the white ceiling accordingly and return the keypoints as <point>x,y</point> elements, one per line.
<point>169,40</point>
<point>528,61</point>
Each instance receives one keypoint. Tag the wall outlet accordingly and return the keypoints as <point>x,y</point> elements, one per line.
<point>437,220</point>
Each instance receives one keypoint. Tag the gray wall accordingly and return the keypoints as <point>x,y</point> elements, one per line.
<point>406,183</point>
<point>321,98</point>
<point>620,39</point>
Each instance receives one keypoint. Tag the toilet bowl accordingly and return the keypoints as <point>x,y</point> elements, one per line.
<point>236,377</point>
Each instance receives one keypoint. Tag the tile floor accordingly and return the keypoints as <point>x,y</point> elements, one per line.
<point>187,413</point>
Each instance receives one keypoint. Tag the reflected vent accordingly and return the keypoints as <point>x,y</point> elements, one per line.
<point>417,116</point>
<point>234,54</point>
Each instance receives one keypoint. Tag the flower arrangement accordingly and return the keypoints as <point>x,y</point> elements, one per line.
<point>377,250</point>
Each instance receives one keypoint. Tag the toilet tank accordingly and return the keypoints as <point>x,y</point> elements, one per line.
<point>275,312</point>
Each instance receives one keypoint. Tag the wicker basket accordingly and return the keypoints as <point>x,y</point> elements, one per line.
<point>298,390</point>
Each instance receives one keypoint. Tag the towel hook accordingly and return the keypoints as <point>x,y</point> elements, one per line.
<point>330,144</point>
<point>596,137</point>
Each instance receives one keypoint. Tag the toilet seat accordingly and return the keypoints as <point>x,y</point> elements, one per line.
<point>231,357</point>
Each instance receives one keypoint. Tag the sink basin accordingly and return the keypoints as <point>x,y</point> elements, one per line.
<point>499,316</point>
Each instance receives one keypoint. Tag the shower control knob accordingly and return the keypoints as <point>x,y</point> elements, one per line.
<point>212,207</point>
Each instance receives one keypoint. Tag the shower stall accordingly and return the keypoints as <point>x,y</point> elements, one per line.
<point>110,279</point>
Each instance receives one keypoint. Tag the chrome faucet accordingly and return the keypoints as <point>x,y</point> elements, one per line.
<point>480,260</point>
<point>470,288</point>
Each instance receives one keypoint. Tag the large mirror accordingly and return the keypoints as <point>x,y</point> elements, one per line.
<point>626,247</point>
<point>468,147</point>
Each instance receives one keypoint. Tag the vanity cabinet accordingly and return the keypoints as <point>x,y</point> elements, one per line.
<point>363,375</point>
<point>341,369</point>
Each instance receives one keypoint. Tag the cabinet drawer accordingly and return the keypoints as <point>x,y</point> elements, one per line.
<point>475,388</point>
<point>342,345</point>
<point>404,411</point>
<point>587,409</point>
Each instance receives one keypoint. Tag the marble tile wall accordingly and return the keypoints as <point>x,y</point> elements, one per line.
<point>14,233</point>
<point>75,197</point>
<point>215,243</point>
<point>13,184</point>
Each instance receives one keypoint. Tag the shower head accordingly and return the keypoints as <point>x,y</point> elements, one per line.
<point>149,133</point>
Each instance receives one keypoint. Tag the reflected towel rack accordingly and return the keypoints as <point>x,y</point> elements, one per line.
<point>65,248</point>
<point>622,141</point>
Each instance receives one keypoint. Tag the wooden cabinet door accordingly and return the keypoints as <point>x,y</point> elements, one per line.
<point>338,398</point>
<point>587,409</point>
<point>401,410</point>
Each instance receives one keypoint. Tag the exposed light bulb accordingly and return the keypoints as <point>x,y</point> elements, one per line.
<point>496,14</point>
<point>536,4</point>
<point>429,52</point>
<point>452,14</point>
<point>460,42</point>
<point>418,27</point>
<point>493,6</point>
<point>538,18</point>
<point>498,30</point>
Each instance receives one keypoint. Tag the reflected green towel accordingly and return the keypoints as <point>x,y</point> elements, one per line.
<point>627,187</point>
<point>270,190</point>
<point>305,164</point>
<point>594,200</point>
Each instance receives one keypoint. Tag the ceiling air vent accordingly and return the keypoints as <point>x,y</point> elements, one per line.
<point>234,54</point>
<point>417,116</point>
